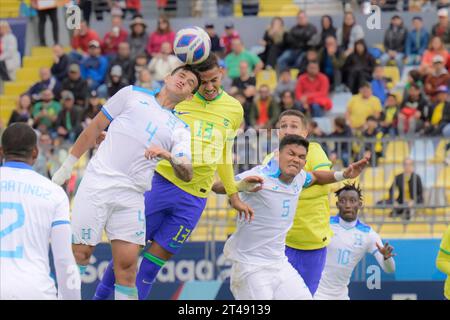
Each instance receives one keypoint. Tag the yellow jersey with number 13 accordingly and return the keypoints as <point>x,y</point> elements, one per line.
<point>214,126</point>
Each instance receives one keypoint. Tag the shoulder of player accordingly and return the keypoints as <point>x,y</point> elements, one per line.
<point>365,228</point>
<point>234,105</point>
<point>316,157</point>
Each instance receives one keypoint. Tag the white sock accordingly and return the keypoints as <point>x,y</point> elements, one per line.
<point>125,293</point>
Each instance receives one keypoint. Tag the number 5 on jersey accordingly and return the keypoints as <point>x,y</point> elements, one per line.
<point>286,208</point>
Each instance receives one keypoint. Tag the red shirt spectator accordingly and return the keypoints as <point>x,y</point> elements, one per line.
<point>230,34</point>
<point>313,87</point>
<point>162,34</point>
<point>83,36</point>
<point>115,36</point>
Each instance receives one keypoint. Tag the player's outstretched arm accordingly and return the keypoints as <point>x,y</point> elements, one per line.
<point>181,165</point>
<point>385,257</point>
<point>67,272</point>
<point>248,184</point>
<point>86,140</point>
<point>351,172</point>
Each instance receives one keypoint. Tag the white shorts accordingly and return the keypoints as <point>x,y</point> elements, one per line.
<point>25,289</point>
<point>101,205</point>
<point>275,282</point>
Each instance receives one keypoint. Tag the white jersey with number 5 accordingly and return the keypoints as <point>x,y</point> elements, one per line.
<point>349,244</point>
<point>137,122</point>
<point>30,206</point>
<point>262,241</point>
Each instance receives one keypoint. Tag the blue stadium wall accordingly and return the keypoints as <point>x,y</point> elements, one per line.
<point>190,276</point>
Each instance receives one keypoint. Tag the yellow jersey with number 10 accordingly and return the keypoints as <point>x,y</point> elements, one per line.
<point>214,126</point>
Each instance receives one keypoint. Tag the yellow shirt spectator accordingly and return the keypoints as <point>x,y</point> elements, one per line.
<point>359,108</point>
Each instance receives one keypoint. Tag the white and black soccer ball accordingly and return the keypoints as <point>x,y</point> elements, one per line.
<point>192,45</point>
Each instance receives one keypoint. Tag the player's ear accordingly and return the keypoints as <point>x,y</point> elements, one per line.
<point>2,155</point>
<point>34,153</point>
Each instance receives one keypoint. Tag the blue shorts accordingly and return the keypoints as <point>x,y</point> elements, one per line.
<point>171,214</point>
<point>309,264</point>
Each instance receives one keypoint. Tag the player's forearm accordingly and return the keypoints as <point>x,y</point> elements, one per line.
<point>182,171</point>
<point>443,262</point>
<point>219,188</point>
<point>388,265</point>
<point>324,177</point>
<point>87,138</point>
<point>67,273</point>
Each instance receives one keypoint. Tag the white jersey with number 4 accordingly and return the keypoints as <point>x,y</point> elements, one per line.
<point>30,206</point>
<point>349,244</point>
<point>137,122</point>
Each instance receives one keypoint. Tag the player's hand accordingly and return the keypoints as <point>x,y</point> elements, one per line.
<point>242,208</point>
<point>386,251</point>
<point>356,168</point>
<point>250,184</point>
<point>155,152</point>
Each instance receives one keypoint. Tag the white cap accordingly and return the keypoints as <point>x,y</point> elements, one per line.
<point>443,12</point>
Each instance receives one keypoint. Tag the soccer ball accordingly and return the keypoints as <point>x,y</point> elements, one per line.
<point>192,45</point>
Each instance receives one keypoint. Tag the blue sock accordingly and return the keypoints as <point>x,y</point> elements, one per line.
<point>148,271</point>
<point>106,285</point>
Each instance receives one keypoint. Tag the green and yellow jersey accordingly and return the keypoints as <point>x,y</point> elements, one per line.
<point>311,228</point>
<point>214,126</point>
<point>443,261</point>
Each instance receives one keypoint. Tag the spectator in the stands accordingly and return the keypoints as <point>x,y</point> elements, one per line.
<point>361,106</point>
<point>250,110</point>
<point>414,113</point>
<point>416,42</point>
<point>94,66</point>
<point>246,83</point>
<point>349,34</point>
<point>342,148</point>
<point>331,59</point>
<point>60,63</point>
<point>442,28</point>
<point>163,63</point>
<point>388,117</point>
<point>45,147</point>
<point>440,118</point>
<point>310,56</point>
<point>268,109</point>
<point>229,35</point>
<point>439,76</point>
<point>312,91</point>
<point>288,102</point>
<point>45,112</point>
<point>328,29</point>
<point>238,54</point>
<point>138,37</point>
<point>75,84</point>
<point>408,186</point>
<point>46,8</point>
<point>285,83</point>
<point>372,135</point>
<point>123,60</point>
<point>68,124</point>
<point>146,81</point>
<point>299,40</point>
<point>394,43</point>
<point>93,108</point>
<point>358,67</point>
<point>113,84</point>
<point>83,36</point>
<point>215,40</point>
<point>162,34</point>
<point>140,63</point>
<point>112,38</point>
<point>22,113</point>
<point>436,48</point>
<point>134,7</point>
<point>414,76</point>
<point>274,41</point>
<point>378,84</point>
<point>47,81</point>
<point>9,53</point>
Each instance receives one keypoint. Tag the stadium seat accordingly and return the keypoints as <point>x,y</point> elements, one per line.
<point>440,154</point>
<point>27,74</point>
<point>389,230</point>
<point>439,229</point>
<point>268,77</point>
<point>393,75</point>
<point>17,88</point>
<point>37,61</point>
<point>294,73</point>
<point>340,101</point>
<point>396,152</point>
<point>374,179</point>
<point>422,150</point>
<point>325,124</point>
<point>418,228</point>
<point>443,179</point>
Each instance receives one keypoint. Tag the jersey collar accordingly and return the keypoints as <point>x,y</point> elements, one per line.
<point>17,165</point>
<point>347,225</point>
<point>198,95</point>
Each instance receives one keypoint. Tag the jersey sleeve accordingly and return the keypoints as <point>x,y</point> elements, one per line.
<point>117,103</point>
<point>443,258</point>
<point>62,211</point>
<point>387,265</point>
<point>307,180</point>
<point>181,143</point>
<point>317,160</point>
<point>374,238</point>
